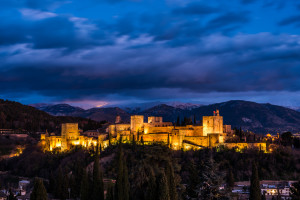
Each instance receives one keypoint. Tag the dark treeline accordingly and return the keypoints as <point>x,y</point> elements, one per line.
<point>14,115</point>
<point>152,172</point>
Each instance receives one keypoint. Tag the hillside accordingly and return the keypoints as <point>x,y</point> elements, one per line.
<point>261,118</point>
<point>253,116</point>
<point>61,109</point>
<point>14,115</point>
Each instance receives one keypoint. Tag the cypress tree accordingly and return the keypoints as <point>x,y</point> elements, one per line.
<point>230,179</point>
<point>119,183</point>
<point>98,189</point>
<point>59,183</point>
<point>295,191</point>
<point>255,192</point>
<point>125,181</point>
<point>263,196</point>
<point>52,183</point>
<point>84,188</point>
<point>39,191</point>
<point>109,138</point>
<point>193,180</point>
<point>77,179</point>
<point>163,188</point>
<point>178,121</point>
<point>11,195</point>
<point>171,182</point>
<point>122,185</point>
<point>65,186</point>
<point>142,140</point>
<point>151,193</point>
<point>110,192</point>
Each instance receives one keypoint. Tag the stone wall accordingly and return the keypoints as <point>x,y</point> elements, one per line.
<point>241,146</point>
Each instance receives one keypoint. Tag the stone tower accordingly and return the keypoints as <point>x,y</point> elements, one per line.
<point>118,119</point>
<point>213,124</point>
<point>69,131</point>
<point>136,123</point>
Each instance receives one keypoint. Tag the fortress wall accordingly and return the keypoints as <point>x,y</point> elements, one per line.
<point>150,129</point>
<point>213,140</point>
<point>198,140</point>
<point>155,137</point>
<point>186,132</point>
<point>118,128</point>
<point>261,146</point>
<point>198,131</point>
<point>153,119</point>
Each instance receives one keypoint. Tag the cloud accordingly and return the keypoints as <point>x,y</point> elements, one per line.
<point>36,14</point>
<point>195,8</point>
<point>248,1</point>
<point>234,64</point>
<point>293,20</point>
<point>229,19</point>
<point>64,51</point>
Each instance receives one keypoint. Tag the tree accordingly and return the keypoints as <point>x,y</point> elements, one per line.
<point>263,196</point>
<point>163,188</point>
<point>109,138</point>
<point>287,138</point>
<point>210,179</point>
<point>151,193</point>
<point>84,189</point>
<point>178,121</point>
<point>98,188</point>
<point>171,181</point>
<point>142,140</point>
<point>122,184</point>
<point>295,191</point>
<point>39,191</point>
<point>77,177</point>
<point>193,180</point>
<point>255,192</point>
<point>230,179</point>
<point>60,188</point>
<point>110,192</point>
<point>11,195</point>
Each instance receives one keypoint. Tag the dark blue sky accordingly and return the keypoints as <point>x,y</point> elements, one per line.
<point>114,51</point>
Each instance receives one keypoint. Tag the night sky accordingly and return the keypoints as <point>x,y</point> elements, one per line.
<point>92,52</point>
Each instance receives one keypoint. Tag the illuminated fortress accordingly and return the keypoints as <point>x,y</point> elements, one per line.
<point>212,133</point>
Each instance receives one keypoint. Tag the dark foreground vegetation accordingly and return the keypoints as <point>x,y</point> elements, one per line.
<point>150,172</point>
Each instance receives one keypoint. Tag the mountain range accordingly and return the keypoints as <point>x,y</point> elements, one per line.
<point>260,118</point>
<point>14,115</point>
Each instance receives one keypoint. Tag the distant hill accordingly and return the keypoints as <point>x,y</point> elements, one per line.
<point>61,109</point>
<point>261,118</point>
<point>14,115</point>
<point>254,116</point>
<point>108,114</point>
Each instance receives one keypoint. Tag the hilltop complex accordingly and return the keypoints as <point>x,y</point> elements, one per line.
<point>212,133</point>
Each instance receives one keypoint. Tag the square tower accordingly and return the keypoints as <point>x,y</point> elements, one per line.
<point>212,124</point>
<point>69,131</point>
<point>136,123</point>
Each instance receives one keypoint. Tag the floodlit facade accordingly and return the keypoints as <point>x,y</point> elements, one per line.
<point>69,137</point>
<point>212,133</point>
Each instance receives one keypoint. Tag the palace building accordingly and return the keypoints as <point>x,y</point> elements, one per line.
<point>211,133</point>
